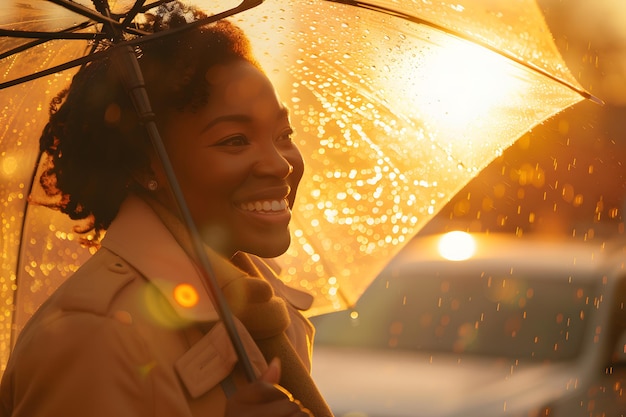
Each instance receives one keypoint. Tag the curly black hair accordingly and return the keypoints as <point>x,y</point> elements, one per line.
<point>94,140</point>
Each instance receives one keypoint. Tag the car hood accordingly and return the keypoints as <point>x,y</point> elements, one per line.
<point>364,382</point>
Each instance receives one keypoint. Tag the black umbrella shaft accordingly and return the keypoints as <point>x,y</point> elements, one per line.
<point>131,74</point>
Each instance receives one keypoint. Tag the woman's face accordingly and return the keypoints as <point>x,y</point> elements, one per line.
<point>236,163</point>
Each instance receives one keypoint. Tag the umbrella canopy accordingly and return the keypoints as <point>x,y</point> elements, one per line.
<point>396,105</point>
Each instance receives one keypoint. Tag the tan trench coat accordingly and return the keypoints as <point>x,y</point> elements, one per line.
<point>113,341</point>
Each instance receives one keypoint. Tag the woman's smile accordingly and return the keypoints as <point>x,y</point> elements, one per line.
<point>267,214</point>
<point>266,206</point>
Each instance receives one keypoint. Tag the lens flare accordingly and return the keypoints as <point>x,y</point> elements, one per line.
<point>186,295</point>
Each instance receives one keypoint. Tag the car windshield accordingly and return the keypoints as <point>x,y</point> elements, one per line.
<point>521,316</point>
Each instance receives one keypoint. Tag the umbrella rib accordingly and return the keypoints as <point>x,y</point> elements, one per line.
<point>70,64</point>
<point>415,19</point>
<point>90,14</point>
<point>245,5</point>
<point>137,8</point>
<point>39,41</point>
<point>46,36</point>
<point>20,248</point>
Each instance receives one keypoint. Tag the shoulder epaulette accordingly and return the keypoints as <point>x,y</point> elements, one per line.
<point>94,286</point>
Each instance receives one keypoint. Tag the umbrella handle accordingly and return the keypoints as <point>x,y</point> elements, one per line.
<point>128,67</point>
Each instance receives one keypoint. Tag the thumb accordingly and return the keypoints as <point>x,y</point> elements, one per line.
<point>272,376</point>
<point>272,373</point>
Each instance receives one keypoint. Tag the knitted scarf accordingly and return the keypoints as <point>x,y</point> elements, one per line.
<point>252,300</point>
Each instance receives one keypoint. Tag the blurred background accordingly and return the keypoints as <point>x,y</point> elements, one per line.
<point>564,181</point>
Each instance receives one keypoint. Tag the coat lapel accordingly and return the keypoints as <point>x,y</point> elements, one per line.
<point>212,358</point>
<point>138,235</point>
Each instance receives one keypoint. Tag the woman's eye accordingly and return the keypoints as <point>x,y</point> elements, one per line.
<point>238,140</point>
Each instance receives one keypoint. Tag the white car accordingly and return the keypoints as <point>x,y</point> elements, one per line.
<point>518,328</point>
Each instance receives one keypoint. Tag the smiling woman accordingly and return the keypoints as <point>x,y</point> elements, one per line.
<point>134,332</point>
<point>236,163</point>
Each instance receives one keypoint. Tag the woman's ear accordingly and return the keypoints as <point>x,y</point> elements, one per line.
<point>144,180</point>
<point>149,177</point>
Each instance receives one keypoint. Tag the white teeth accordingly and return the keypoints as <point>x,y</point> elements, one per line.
<point>266,206</point>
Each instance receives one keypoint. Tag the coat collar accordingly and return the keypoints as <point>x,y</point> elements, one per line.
<point>138,235</point>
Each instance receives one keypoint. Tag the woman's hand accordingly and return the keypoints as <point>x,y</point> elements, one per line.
<point>265,398</point>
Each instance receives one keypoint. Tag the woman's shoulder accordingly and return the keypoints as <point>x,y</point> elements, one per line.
<point>100,314</point>
<point>73,353</point>
<point>84,298</point>
<point>96,284</point>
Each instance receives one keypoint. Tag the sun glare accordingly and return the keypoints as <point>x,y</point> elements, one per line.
<point>462,82</point>
<point>457,246</point>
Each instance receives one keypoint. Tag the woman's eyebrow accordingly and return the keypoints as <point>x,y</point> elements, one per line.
<point>241,118</point>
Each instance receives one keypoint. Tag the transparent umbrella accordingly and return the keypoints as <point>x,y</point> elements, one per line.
<point>396,104</point>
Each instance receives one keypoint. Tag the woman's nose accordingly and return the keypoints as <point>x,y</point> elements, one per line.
<point>273,163</point>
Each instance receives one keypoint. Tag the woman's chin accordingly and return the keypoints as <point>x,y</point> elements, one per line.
<point>264,245</point>
<point>270,248</point>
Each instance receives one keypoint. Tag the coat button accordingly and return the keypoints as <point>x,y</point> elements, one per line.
<point>118,267</point>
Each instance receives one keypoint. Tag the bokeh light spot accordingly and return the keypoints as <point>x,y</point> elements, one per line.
<point>457,246</point>
<point>186,295</point>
